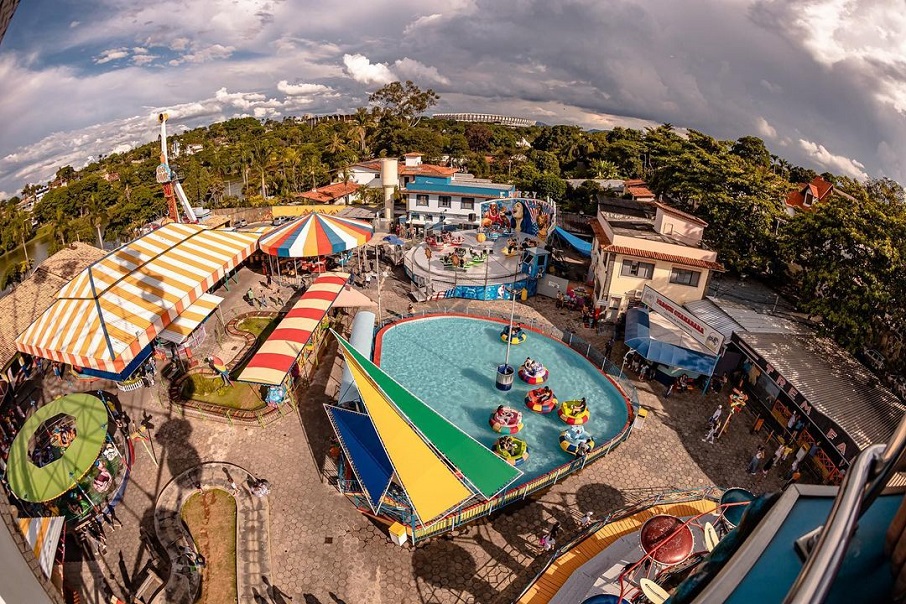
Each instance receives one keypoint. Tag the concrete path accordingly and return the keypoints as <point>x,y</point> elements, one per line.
<point>252,533</point>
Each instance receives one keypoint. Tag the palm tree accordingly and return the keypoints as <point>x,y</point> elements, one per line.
<point>362,123</point>
<point>100,218</point>
<point>260,156</point>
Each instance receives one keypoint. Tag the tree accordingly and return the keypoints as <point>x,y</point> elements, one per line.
<point>885,190</point>
<point>752,149</point>
<point>478,137</point>
<point>406,102</point>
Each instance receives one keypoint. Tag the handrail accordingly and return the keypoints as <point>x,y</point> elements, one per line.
<point>861,486</point>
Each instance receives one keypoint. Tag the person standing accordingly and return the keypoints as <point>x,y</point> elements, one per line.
<point>715,417</point>
<point>250,294</point>
<point>793,419</point>
<point>752,468</point>
<point>585,520</point>
<point>608,348</point>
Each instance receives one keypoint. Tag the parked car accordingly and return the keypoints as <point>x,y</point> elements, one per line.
<point>280,220</point>
<point>874,359</point>
<point>241,223</point>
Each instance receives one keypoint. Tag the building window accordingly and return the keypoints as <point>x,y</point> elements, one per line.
<point>643,270</point>
<point>421,200</point>
<point>681,276</point>
<point>468,203</point>
<point>444,201</point>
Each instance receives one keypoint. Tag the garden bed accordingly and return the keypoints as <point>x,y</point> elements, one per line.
<point>211,519</point>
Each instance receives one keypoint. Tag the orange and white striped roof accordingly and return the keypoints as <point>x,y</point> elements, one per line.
<point>113,309</point>
<point>189,320</point>
<point>276,356</point>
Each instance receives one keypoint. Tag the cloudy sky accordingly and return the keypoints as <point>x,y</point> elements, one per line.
<point>822,81</point>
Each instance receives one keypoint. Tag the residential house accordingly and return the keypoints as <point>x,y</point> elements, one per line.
<point>338,193</point>
<point>640,243</point>
<point>454,198</point>
<point>637,189</point>
<point>807,195</point>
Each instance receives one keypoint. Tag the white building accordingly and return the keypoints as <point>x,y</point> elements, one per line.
<point>639,243</point>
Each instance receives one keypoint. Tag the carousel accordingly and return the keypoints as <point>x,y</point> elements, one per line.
<point>69,459</point>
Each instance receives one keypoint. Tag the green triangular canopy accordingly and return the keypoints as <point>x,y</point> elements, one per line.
<point>480,466</point>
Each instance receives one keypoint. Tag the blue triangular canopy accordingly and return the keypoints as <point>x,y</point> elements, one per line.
<point>638,337</point>
<point>364,452</point>
<point>580,245</point>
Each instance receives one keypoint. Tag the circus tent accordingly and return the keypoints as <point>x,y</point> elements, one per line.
<point>106,317</point>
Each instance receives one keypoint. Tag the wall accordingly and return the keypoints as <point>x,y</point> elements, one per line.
<point>659,281</point>
<point>247,214</point>
<point>676,226</point>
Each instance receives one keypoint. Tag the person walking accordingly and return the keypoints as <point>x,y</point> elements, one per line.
<point>250,294</point>
<point>669,390</point>
<point>768,465</point>
<point>752,468</point>
<point>585,520</point>
<point>712,433</point>
<point>608,348</point>
<point>715,417</point>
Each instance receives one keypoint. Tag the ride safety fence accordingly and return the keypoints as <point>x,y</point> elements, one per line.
<point>401,511</point>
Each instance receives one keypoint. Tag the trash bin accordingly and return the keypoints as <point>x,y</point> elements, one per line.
<point>505,375</point>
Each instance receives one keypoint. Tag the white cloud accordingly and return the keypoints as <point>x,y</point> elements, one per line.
<point>204,54</point>
<point>410,69</point>
<point>301,89</point>
<point>360,69</point>
<point>835,163</point>
<point>74,24</point>
<point>765,130</point>
<point>111,54</point>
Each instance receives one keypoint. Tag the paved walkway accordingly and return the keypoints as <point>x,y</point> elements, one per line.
<point>326,552</point>
<point>252,533</point>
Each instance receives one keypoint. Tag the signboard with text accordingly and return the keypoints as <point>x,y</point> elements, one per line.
<point>705,335</point>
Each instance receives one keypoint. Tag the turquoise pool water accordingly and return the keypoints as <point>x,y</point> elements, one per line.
<point>450,363</point>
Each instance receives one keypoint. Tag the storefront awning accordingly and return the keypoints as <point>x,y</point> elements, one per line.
<point>112,310</point>
<point>661,342</point>
<point>189,320</point>
<point>276,356</point>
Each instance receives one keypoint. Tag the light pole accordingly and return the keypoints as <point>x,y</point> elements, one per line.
<point>505,372</point>
<point>380,278</point>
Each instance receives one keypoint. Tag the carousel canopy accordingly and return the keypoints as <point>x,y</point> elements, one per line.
<point>105,317</point>
<point>316,235</point>
<point>31,483</point>
<point>276,356</point>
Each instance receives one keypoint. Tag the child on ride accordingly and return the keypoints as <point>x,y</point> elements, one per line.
<point>580,407</point>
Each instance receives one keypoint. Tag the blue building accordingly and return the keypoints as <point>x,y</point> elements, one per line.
<point>455,198</point>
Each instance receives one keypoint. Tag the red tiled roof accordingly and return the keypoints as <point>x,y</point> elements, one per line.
<point>330,192</point>
<point>427,170</point>
<point>640,191</point>
<point>607,246</point>
<point>374,164</point>
<point>675,212</point>
<point>413,154</point>
<point>819,189</point>
<point>634,182</point>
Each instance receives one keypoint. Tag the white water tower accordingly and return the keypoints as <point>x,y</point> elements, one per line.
<point>390,180</point>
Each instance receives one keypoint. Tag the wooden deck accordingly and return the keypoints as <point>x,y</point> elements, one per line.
<point>544,589</point>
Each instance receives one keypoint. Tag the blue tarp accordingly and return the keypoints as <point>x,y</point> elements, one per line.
<point>364,452</point>
<point>638,337</point>
<point>580,245</point>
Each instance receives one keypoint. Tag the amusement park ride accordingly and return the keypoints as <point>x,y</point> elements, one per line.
<point>170,182</point>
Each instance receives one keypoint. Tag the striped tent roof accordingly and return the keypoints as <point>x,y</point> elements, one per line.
<point>316,235</point>
<point>188,321</point>
<point>276,356</point>
<point>113,309</point>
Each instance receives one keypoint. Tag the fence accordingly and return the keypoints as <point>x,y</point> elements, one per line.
<point>480,510</point>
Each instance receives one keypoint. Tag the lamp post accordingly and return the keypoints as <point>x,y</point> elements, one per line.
<point>380,279</point>
<point>505,372</point>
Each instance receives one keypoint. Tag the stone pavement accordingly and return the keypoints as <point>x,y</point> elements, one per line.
<point>252,532</point>
<point>324,551</point>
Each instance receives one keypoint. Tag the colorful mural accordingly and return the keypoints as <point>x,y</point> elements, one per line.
<point>533,217</point>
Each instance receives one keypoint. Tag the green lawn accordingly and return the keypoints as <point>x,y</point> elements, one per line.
<point>257,326</point>
<point>211,518</point>
<point>211,390</point>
